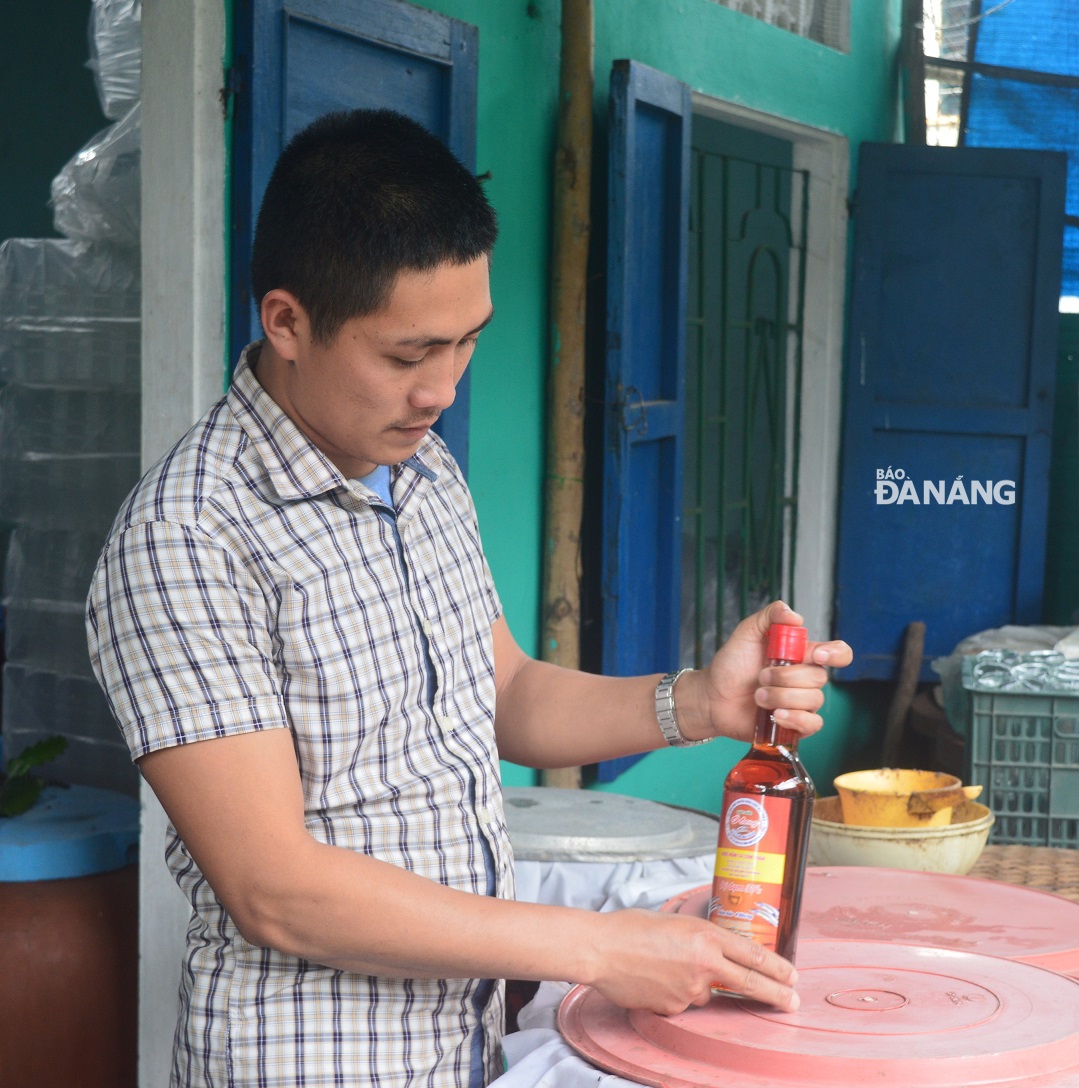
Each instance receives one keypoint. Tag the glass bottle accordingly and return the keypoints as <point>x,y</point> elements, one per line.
<point>764,827</point>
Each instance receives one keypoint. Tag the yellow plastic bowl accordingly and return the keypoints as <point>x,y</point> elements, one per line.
<point>951,849</point>
<point>900,798</point>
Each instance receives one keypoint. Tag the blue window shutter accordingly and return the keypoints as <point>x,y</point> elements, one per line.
<point>647,269</point>
<point>297,60</point>
<point>950,374</point>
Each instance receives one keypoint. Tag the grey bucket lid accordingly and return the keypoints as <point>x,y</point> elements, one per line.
<point>550,824</point>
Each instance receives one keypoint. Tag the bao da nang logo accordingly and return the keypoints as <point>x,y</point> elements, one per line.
<point>894,486</point>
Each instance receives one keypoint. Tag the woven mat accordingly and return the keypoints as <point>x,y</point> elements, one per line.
<point>1048,868</point>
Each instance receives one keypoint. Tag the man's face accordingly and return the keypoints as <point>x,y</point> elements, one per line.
<point>369,397</point>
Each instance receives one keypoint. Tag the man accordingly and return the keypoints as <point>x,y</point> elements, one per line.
<point>298,633</point>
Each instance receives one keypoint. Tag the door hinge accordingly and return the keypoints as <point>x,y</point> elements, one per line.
<point>232,85</point>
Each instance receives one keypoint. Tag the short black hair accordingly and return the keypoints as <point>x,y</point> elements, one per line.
<point>356,198</point>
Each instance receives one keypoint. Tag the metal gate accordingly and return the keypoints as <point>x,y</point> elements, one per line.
<point>748,222</point>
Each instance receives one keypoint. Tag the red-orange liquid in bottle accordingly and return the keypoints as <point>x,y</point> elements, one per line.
<point>764,827</point>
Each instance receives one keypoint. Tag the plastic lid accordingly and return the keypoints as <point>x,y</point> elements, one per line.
<point>76,831</point>
<point>897,1015</point>
<point>786,642</point>
<point>550,824</point>
<point>940,910</point>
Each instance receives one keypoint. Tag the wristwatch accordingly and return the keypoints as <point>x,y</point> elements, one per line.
<point>665,712</point>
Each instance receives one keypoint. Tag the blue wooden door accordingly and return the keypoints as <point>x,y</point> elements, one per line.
<point>948,397</point>
<point>298,59</point>
<point>648,219</point>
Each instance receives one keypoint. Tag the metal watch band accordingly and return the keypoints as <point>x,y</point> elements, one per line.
<point>665,713</point>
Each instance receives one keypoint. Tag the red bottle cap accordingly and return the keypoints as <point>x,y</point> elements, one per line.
<point>786,642</point>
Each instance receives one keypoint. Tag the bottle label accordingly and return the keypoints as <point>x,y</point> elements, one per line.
<point>750,862</point>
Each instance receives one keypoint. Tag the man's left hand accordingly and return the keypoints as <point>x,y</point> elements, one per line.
<point>723,699</point>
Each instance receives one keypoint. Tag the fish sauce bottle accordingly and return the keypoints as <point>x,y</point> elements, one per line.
<point>764,827</point>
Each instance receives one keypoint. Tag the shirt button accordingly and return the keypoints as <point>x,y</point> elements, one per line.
<point>428,630</point>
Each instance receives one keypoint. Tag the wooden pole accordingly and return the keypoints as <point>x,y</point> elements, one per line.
<point>564,490</point>
<point>910,665</point>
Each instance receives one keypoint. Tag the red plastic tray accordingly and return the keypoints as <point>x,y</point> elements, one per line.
<point>881,1014</point>
<point>937,909</point>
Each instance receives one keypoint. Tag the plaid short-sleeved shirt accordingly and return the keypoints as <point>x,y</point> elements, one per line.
<point>247,585</point>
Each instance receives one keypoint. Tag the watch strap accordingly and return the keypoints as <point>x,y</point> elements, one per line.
<point>666,715</point>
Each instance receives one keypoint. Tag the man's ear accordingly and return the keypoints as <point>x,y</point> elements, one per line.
<point>284,322</point>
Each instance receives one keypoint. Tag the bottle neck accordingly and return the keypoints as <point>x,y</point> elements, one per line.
<point>767,733</point>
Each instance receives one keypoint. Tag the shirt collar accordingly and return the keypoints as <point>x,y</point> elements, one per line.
<point>296,467</point>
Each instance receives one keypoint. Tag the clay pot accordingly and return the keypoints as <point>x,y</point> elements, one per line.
<point>69,939</point>
<point>69,999</point>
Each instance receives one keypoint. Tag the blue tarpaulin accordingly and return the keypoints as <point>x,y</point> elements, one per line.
<point>1005,110</point>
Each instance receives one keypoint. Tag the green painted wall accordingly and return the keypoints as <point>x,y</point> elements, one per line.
<point>717,52</point>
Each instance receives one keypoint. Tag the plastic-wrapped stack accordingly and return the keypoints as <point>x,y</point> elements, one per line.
<point>69,418</point>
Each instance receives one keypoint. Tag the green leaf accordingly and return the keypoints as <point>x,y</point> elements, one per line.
<point>19,794</point>
<point>42,752</point>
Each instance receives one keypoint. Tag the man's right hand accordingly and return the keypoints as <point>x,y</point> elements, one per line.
<point>667,962</point>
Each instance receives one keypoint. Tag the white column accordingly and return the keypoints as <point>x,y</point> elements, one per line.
<point>183,353</point>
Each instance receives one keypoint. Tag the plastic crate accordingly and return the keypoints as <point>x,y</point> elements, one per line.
<point>1023,748</point>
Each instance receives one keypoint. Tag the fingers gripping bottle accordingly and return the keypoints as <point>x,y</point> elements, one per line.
<point>764,827</point>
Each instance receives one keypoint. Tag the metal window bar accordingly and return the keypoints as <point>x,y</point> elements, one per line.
<point>941,37</point>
